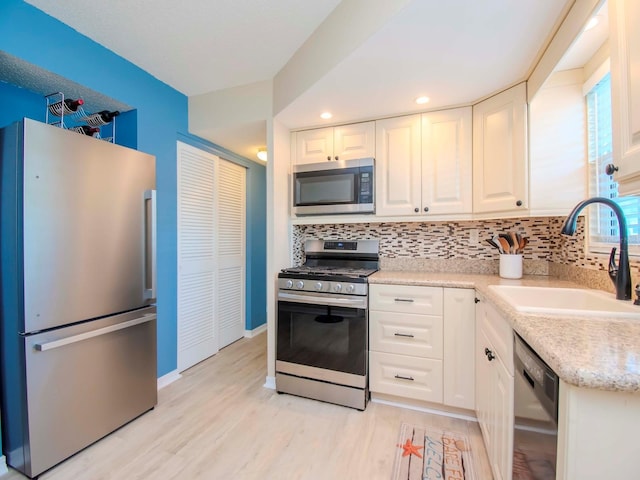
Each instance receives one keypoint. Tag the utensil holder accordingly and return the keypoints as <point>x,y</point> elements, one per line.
<point>510,266</point>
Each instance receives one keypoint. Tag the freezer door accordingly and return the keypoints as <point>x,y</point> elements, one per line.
<point>88,221</point>
<point>85,381</point>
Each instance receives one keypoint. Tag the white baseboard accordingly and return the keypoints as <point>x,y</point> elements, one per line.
<point>3,465</point>
<point>270,382</point>
<point>170,377</point>
<point>256,331</point>
<point>445,411</point>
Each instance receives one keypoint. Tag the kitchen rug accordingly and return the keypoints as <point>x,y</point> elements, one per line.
<point>427,453</point>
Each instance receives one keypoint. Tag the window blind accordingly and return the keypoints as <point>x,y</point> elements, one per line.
<point>603,224</point>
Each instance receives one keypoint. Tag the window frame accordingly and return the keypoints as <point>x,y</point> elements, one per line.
<point>591,246</point>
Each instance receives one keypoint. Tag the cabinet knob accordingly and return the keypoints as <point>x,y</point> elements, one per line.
<point>519,203</point>
<point>476,300</point>
<point>336,157</point>
<point>426,209</point>
<point>610,169</point>
<point>416,209</point>
<point>489,354</point>
<point>329,158</point>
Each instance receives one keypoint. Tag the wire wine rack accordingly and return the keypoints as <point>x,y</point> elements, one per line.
<point>57,111</point>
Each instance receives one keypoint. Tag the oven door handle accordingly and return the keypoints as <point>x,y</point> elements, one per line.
<point>329,301</point>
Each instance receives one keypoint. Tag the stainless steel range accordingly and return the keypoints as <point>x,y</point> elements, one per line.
<point>322,327</point>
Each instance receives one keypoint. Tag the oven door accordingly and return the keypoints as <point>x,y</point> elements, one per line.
<point>323,338</point>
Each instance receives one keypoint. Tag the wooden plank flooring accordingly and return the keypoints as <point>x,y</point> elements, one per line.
<point>219,422</point>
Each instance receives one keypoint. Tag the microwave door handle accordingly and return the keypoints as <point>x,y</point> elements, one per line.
<point>334,302</point>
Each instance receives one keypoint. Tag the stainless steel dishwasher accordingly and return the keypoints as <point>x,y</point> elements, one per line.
<point>536,415</point>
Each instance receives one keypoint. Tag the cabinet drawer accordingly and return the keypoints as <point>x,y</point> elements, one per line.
<point>406,334</point>
<point>404,376</point>
<point>406,299</point>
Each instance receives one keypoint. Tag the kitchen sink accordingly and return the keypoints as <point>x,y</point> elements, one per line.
<point>566,301</point>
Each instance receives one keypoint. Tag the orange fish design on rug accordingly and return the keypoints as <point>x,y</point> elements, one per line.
<point>410,448</point>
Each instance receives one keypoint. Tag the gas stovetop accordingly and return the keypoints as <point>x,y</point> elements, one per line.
<point>328,271</point>
<point>335,266</point>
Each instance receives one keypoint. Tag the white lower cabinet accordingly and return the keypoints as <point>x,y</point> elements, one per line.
<point>494,387</point>
<point>459,340</point>
<point>421,343</point>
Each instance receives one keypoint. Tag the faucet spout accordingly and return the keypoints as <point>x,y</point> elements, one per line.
<point>620,274</point>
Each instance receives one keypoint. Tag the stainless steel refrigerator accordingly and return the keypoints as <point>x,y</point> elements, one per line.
<point>78,316</point>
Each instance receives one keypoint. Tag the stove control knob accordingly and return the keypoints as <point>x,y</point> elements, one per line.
<point>350,288</point>
<point>299,284</point>
<point>318,286</point>
<point>289,284</point>
<point>337,287</point>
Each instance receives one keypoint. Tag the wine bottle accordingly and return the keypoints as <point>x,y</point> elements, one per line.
<point>86,130</point>
<point>67,107</point>
<point>101,118</point>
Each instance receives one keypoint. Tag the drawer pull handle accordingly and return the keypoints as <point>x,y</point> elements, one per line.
<point>408,335</point>
<point>408,300</point>
<point>489,354</point>
<point>404,378</point>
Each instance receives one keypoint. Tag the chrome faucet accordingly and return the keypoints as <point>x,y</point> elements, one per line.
<point>620,274</point>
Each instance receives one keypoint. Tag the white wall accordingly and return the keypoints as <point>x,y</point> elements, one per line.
<point>557,144</point>
<point>278,227</point>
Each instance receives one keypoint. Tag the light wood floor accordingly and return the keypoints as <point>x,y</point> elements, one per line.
<point>219,422</point>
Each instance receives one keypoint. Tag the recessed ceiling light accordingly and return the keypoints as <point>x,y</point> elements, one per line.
<point>593,21</point>
<point>422,100</point>
<point>326,115</point>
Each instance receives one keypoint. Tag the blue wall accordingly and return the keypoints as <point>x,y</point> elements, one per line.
<point>160,117</point>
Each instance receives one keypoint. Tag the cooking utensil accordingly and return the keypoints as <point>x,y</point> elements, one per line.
<point>496,240</point>
<point>494,244</point>
<point>514,241</point>
<point>507,238</point>
<point>505,244</point>
<point>523,243</point>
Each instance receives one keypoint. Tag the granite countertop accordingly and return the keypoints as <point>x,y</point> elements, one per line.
<point>588,352</point>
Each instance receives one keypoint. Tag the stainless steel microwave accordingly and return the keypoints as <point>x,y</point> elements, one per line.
<point>344,186</point>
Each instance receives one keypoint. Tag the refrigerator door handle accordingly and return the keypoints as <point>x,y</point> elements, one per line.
<point>43,347</point>
<point>151,247</point>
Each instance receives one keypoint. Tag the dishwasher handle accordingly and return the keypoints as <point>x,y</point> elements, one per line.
<point>43,347</point>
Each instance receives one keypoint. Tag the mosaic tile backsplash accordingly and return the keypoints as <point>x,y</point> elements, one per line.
<point>462,246</point>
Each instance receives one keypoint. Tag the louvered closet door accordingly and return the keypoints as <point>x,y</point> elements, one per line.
<point>230,298</point>
<point>197,335</point>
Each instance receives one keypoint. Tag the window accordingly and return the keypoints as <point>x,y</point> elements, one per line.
<point>603,224</point>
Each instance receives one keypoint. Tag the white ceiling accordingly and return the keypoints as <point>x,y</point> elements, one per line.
<point>454,51</point>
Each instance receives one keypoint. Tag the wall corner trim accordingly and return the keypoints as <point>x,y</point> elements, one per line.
<point>170,377</point>
<point>256,331</point>
<point>270,382</point>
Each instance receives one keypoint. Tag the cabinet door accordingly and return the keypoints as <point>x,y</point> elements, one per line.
<point>624,40</point>
<point>483,389</point>
<point>354,141</point>
<point>500,152</point>
<point>314,146</point>
<point>398,166</point>
<point>502,457</point>
<point>459,340</point>
<point>446,161</point>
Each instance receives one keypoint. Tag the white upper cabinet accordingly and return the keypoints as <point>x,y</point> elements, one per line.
<point>423,164</point>
<point>346,142</point>
<point>624,40</point>
<point>313,146</point>
<point>398,166</point>
<point>446,162</point>
<point>500,168</point>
